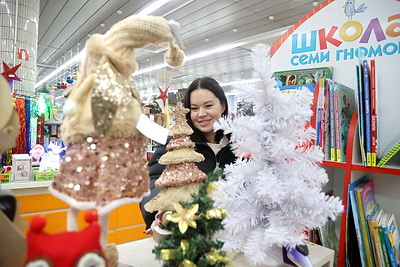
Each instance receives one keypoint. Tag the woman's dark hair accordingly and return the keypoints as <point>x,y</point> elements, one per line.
<point>213,86</point>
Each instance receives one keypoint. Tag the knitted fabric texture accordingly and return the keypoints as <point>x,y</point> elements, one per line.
<point>117,47</point>
<point>105,164</point>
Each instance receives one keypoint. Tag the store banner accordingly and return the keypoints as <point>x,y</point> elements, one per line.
<point>339,34</point>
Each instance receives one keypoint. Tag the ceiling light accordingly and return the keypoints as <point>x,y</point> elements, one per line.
<point>102,25</point>
<point>119,12</point>
<point>315,3</point>
<point>271,17</point>
<point>206,39</point>
<point>153,7</point>
<point>235,30</point>
<point>239,82</point>
<point>253,39</point>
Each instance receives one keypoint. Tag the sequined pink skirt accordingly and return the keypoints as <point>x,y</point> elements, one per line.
<point>103,174</point>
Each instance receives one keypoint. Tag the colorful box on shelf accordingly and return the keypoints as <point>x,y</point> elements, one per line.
<point>41,176</point>
<point>5,178</point>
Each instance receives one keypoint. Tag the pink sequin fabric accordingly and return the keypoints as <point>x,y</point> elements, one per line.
<point>102,172</point>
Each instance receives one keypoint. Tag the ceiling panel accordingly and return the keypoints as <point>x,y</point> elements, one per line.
<point>64,26</point>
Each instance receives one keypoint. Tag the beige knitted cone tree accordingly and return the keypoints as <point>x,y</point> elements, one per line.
<point>181,177</point>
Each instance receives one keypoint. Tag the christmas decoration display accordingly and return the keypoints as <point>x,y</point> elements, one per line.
<point>9,121</point>
<point>36,153</point>
<point>69,80</point>
<point>275,195</point>
<point>9,73</point>
<point>20,147</point>
<point>192,226</point>
<point>75,248</point>
<point>181,177</point>
<point>104,165</point>
<point>163,95</point>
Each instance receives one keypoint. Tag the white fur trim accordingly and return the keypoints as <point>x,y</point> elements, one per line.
<point>70,107</point>
<point>89,205</point>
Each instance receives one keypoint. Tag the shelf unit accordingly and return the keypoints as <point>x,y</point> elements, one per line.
<point>349,168</point>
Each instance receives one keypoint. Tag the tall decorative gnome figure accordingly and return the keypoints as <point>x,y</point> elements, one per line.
<point>104,166</point>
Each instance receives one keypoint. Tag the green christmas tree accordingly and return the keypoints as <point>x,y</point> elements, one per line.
<point>192,226</point>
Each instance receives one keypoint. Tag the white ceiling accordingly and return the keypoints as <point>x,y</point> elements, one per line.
<point>64,26</point>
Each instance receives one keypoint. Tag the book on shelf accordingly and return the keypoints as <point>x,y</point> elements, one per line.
<point>353,205</point>
<point>383,221</point>
<point>327,126</point>
<point>391,154</point>
<point>379,250</point>
<point>367,111</point>
<point>332,121</point>
<point>360,102</point>
<point>319,113</point>
<point>293,80</point>
<point>374,115</point>
<point>366,201</point>
<point>392,239</point>
<point>344,102</point>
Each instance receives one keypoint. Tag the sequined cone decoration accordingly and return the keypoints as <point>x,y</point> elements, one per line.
<point>181,178</point>
<point>105,165</point>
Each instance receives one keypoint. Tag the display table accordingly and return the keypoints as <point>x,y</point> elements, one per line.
<point>139,253</point>
<point>125,222</point>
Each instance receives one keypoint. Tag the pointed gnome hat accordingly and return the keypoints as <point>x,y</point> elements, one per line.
<point>105,101</point>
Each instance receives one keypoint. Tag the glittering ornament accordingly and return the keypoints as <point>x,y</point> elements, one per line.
<point>94,174</point>
<point>9,73</point>
<point>63,85</point>
<point>58,85</point>
<point>216,213</point>
<point>185,217</point>
<point>69,80</point>
<point>163,95</point>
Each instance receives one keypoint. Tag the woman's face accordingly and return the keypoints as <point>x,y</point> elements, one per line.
<point>205,109</point>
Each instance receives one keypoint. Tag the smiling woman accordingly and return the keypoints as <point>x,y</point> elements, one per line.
<point>207,102</point>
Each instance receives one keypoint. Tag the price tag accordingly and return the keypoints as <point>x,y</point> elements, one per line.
<point>152,130</point>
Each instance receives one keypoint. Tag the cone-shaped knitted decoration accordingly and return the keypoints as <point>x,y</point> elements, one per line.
<point>181,177</point>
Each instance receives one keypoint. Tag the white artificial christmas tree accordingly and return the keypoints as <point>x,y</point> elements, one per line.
<point>273,196</point>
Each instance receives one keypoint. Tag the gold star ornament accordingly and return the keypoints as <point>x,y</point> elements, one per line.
<point>185,217</point>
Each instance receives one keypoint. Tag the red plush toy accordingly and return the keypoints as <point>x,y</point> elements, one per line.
<point>80,248</point>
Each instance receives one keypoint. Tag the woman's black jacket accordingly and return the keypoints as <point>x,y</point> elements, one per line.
<point>224,156</point>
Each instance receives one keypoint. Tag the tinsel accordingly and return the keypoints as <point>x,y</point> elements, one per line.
<point>273,196</point>
<point>20,147</point>
<point>40,130</point>
<point>28,124</point>
<point>7,158</point>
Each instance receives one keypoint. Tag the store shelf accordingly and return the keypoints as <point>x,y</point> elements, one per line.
<point>393,170</point>
<point>26,185</point>
<point>340,165</point>
<point>53,122</point>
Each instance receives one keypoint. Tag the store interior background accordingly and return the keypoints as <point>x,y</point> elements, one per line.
<point>217,34</point>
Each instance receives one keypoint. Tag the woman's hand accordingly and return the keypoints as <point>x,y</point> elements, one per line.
<point>156,222</point>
